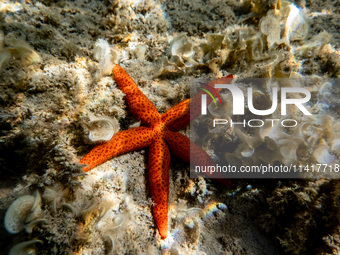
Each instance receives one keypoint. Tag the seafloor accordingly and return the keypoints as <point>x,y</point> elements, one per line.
<point>55,75</point>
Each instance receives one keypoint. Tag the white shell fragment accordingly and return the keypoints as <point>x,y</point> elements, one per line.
<point>270,26</point>
<point>24,248</point>
<point>247,152</point>
<point>110,221</point>
<point>180,53</point>
<point>336,145</point>
<point>296,26</point>
<point>181,46</point>
<point>140,51</point>
<point>284,25</point>
<point>102,53</point>
<point>288,148</point>
<point>102,128</point>
<point>326,89</point>
<point>322,155</point>
<point>221,111</point>
<point>17,213</point>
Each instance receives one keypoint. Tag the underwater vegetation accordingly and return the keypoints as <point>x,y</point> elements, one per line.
<point>58,100</point>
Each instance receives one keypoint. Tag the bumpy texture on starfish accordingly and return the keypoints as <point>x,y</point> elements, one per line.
<point>159,133</point>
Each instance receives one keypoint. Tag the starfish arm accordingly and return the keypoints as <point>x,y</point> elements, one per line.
<point>179,116</point>
<point>182,147</point>
<point>141,107</point>
<point>158,176</point>
<point>122,142</point>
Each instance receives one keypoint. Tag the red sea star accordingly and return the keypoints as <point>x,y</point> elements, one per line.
<point>159,133</point>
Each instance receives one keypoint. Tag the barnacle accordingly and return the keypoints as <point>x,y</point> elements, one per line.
<point>284,25</point>
<point>181,47</point>
<point>140,51</point>
<point>244,43</point>
<point>180,57</point>
<point>102,128</point>
<point>25,248</point>
<point>22,211</point>
<point>238,45</point>
<point>236,37</point>
<point>17,213</point>
<point>255,148</point>
<point>319,134</point>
